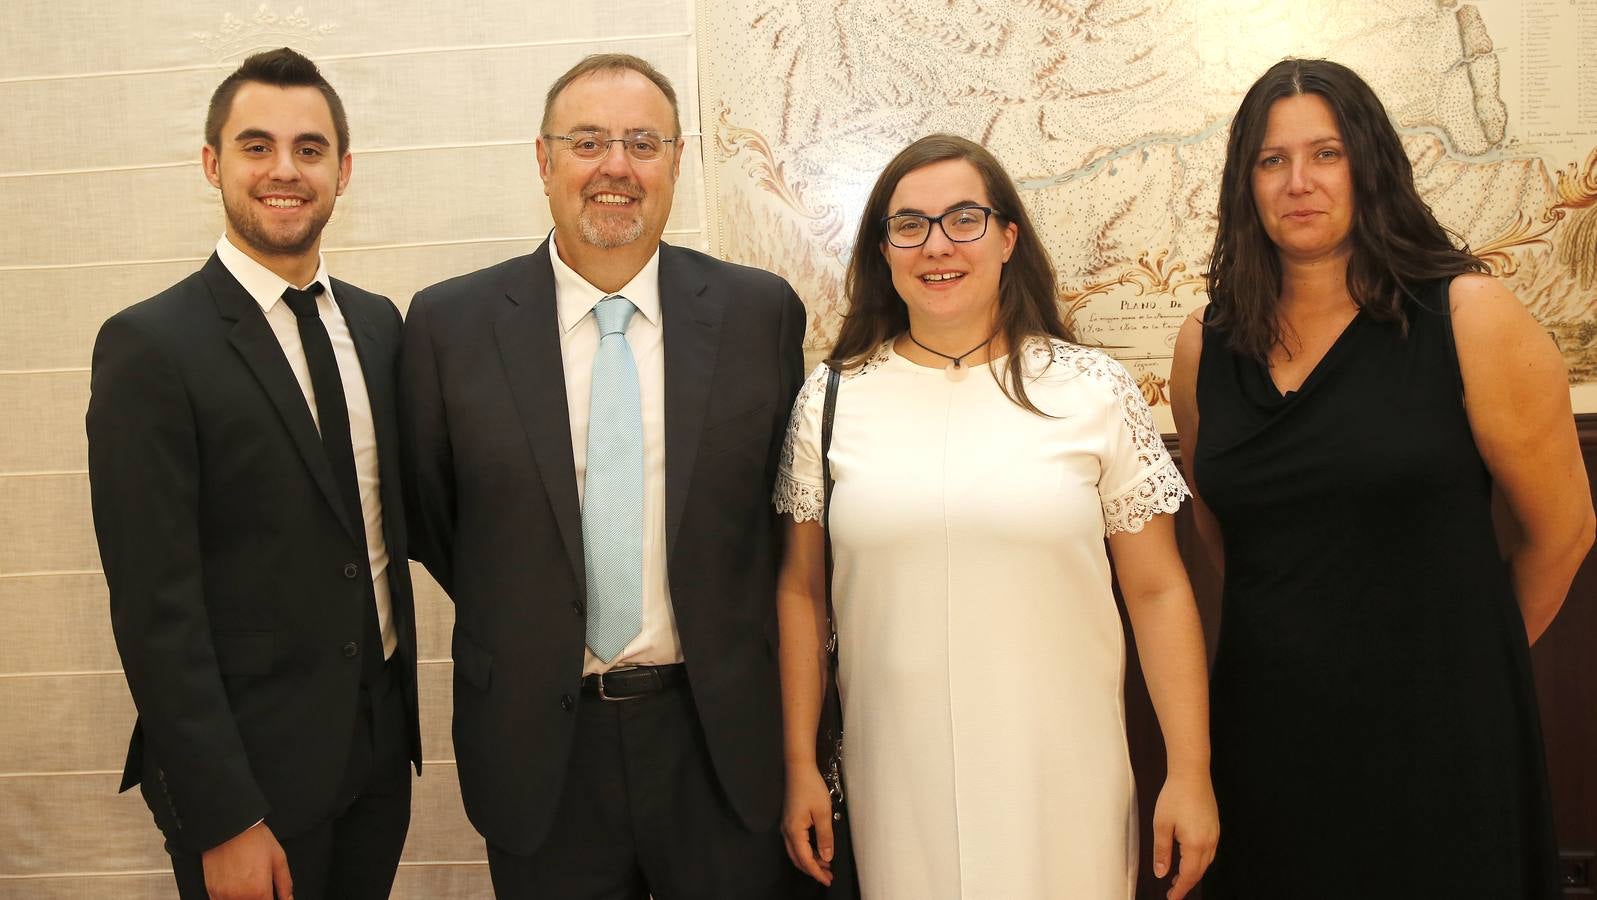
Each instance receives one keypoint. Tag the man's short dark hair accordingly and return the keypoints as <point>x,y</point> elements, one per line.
<point>614,63</point>
<point>282,68</point>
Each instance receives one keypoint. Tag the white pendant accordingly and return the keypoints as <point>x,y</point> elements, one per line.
<point>955,372</point>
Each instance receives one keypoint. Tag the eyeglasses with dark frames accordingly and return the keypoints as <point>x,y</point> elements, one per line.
<point>961,224</point>
<point>591,146</point>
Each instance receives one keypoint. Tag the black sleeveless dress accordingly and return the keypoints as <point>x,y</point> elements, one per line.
<point>1375,729</point>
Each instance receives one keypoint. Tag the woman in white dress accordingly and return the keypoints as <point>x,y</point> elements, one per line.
<point>981,653</point>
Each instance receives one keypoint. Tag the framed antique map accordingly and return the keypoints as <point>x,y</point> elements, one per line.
<point>1113,116</point>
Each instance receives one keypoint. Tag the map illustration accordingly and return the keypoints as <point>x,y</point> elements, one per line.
<point>1112,117</point>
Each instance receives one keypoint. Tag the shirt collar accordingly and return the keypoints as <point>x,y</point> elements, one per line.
<point>260,282</point>
<point>575,297</point>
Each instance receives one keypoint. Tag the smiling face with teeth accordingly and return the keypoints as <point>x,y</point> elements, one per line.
<point>614,207</point>
<point>948,286</point>
<point>279,170</point>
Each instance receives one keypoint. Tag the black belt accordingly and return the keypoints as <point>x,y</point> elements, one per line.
<point>633,682</point>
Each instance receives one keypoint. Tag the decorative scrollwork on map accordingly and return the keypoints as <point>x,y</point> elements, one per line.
<point>1526,232</point>
<point>1577,245</point>
<point>1575,189</point>
<point>1158,275</point>
<point>1155,389</point>
<point>1575,199</point>
<point>770,174</point>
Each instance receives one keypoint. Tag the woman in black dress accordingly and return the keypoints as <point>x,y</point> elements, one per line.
<point>1363,389</point>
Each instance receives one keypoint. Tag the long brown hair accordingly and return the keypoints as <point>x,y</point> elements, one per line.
<point>1395,239</point>
<point>1027,300</point>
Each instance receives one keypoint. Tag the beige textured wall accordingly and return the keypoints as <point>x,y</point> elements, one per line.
<point>103,204</point>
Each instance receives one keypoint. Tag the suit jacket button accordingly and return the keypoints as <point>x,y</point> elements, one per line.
<point>566,703</point>
<point>350,649</point>
<point>576,608</point>
<point>351,570</point>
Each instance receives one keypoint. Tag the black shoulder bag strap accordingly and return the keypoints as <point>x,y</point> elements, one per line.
<point>829,749</point>
<point>828,412</point>
<point>831,703</point>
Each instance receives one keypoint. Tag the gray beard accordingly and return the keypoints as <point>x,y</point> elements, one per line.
<point>596,236</point>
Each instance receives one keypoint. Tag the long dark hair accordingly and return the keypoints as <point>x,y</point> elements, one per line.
<point>1027,297</point>
<point>1395,239</point>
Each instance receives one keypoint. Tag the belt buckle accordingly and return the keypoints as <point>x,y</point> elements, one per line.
<point>606,697</point>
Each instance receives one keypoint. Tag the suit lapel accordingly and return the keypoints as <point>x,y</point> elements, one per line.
<point>528,334</point>
<point>691,315</point>
<point>252,337</point>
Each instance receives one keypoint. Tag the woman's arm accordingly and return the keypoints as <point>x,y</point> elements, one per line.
<point>1164,620</point>
<point>1516,394</point>
<point>1184,408</point>
<point>801,615</point>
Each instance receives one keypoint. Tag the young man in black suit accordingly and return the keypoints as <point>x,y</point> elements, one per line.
<point>591,436</point>
<point>244,469</point>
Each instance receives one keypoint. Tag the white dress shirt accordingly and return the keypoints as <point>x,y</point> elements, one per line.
<point>267,288</point>
<point>658,642</point>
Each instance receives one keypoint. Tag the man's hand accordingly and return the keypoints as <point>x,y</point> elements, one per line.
<point>250,865</point>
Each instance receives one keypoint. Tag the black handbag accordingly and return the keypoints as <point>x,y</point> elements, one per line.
<point>829,734</point>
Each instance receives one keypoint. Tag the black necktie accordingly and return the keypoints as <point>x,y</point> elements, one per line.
<point>333,415</point>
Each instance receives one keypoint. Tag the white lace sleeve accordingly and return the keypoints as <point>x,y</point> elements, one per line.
<point>1139,479</point>
<point>798,491</point>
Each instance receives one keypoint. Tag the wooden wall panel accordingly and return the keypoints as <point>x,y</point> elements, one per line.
<point>1565,661</point>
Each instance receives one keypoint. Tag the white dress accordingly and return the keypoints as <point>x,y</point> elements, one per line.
<point>981,653</point>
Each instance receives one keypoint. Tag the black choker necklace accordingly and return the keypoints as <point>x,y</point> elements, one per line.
<point>956,364</point>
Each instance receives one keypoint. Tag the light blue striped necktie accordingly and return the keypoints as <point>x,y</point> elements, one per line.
<point>612,494</point>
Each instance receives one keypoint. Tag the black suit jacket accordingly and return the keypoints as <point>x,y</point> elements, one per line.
<point>494,516</point>
<point>226,551</point>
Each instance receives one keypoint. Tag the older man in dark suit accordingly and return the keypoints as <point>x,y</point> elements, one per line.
<point>591,436</point>
<point>244,469</point>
